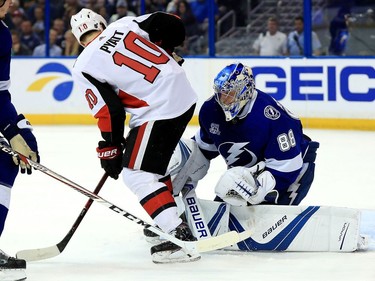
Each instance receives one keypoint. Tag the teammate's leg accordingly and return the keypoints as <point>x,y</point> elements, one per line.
<point>8,174</point>
<point>149,149</point>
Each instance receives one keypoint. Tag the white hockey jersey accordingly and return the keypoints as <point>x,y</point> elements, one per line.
<point>121,66</point>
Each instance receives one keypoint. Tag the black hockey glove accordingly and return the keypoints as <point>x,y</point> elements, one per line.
<point>110,158</point>
<point>22,140</point>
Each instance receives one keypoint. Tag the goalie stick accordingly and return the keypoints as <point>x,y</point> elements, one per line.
<point>210,244</point>
<point>55,250</point>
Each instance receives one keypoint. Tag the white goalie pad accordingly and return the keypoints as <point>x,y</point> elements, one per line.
<point>194,213</point>
<point>187,164</point>
<point>287,228</point>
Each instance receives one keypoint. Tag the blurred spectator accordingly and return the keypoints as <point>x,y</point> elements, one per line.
<point>28,36</point>
<point>30,11</point>
<point>121,11</point>
<point>16,6</point>
<point>134,6</point>
<point>71,7</point>
<point>272,42</point>
<point>187,17</point>
<point>54,50</point>
<point>225,6</point>
<point>200,9</point>
<point>172,6</point>
<point>17,19</point>
<point>103,11</point>
<point>59,26</point>
<point>152,6</point>
<point>27,4</point>
<point>93,4</point>
<point>84,3</point>
<point>160,5</point>
<point>71,46</point>
<point>38,24</point>
<point>110,7</point>
<point>19,49</point>
<point>296,40</point>
<point>191,27</point>
<point>56,8</point>
<point>339,31</point>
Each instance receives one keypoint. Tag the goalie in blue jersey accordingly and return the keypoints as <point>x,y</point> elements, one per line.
<point>16,131</point>
<point>269,158</point>
<point>270,162</point>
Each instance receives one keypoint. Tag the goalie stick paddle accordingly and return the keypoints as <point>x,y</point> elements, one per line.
<point>209,244</point>
<point>55,250</point>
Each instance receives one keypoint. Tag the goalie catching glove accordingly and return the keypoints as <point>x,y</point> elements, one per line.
<point>22,140</point>
<point>240,186</point>
<point>110,158</point>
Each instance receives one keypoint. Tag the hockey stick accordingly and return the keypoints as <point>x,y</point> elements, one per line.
<point>53,251</point>
<point>205,245</point>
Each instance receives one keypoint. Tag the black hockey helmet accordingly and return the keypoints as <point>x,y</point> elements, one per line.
<point>168,29</point>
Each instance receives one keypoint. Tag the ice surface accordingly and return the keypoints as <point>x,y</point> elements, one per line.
<point>109,247</point>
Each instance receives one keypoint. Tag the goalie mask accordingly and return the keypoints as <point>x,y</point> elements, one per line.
<point>234,87</point>
<point>85,21</point>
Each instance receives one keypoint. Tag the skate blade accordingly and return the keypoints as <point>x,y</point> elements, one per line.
<point>12,274</point>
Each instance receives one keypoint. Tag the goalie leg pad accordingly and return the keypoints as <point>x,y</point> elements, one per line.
<point>297,228</point>
<point>187,163</point>
<point>194,213</point>
<point>289,228</point>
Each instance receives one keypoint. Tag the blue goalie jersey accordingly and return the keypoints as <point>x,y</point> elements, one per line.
<point>263,131</point>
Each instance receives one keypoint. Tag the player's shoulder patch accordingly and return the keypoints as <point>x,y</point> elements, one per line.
<point>271,113</point>
<point>215,129</point>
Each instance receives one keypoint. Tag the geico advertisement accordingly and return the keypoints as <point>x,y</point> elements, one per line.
<point>322,88</point>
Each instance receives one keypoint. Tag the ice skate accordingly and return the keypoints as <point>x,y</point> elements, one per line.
<point>167,252</point>
<point>151,237</point>
<point>11,269</point>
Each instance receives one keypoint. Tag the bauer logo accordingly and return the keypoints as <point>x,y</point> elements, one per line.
<point>54,75</point>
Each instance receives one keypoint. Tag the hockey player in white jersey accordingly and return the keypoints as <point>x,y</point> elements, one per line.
<point>128,66</point>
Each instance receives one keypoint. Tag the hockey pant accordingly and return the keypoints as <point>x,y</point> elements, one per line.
<point>8,174</point>
<point>148,151</point>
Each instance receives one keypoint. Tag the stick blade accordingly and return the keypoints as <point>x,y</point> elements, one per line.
<point>38,254</point>
<point>222,241</point>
